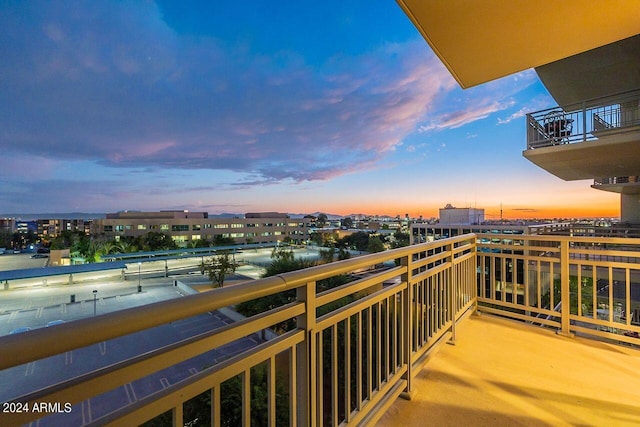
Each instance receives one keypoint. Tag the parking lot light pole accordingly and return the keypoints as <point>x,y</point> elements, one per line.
<point>139,285</point>
<point>95,292</point>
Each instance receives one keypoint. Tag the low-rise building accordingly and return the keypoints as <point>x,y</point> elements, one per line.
<point>185,226</point>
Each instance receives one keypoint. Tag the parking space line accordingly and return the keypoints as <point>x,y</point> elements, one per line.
<point>63,308</point>
<point>164,382</point>
<point>39,312</point>
<point>193,371</point>
<point>68,357</point>
<point>103,347</point>
<point>30,368</point>
<point>131,394</point>
<point>12,316</point>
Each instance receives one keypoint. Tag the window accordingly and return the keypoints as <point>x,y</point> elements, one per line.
<point>142,227</point>
<point>180,227</point>
<point>207,226</point>
<point>234,235</point>
<point>164,227</point>
<point>236,225</point>
<point>153,227</point>
<point>221,226</point>
<point>119,228</point>
<point>195,237</point>
<point>196,227</point>
<point>108,228</point>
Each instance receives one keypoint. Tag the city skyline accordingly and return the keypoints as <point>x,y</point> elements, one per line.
<point>337,108</point>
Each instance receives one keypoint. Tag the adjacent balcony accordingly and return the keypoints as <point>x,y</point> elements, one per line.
<point>345,354</point>
<point>598,138</point>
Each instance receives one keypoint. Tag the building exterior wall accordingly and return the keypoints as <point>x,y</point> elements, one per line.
<point>461,216</point>
<point>267,227</point>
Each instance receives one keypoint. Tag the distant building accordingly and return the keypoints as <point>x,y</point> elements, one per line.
<point>450,215</point>
<point>51,228</point>
<point>185,226</point>
<point>7,225</point>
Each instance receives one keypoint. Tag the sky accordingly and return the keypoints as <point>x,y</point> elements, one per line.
<point>300,107</point>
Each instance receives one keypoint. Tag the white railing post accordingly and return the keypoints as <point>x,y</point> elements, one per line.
<point>453,280</point>
<point>565,291</point>
<point>306,359</point>
<point>409,308</point>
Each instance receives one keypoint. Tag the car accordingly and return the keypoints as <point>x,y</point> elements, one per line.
<point>19,330</point>
<point>39,255</point>
<point>55,322</point>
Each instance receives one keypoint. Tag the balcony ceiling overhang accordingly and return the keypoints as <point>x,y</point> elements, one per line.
<point>482,40</point>
<point>610,69</point>
<point>591,159</point>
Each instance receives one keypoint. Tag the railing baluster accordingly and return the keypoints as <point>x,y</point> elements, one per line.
<point>177,415</point>
<point>246,397</point>
<point>306,357</point>
<point>359,362</point>
<point>334,375</point>
<point>347,369</point>
<point>215,406</point>
<point>271,395</point>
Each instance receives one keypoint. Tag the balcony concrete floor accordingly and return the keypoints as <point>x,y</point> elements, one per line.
<point>504,373</point>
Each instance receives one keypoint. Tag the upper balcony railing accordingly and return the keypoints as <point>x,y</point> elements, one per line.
<point>348,351</point>
<point>588,121</point>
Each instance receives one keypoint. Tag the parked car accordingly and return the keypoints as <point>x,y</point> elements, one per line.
<point>19,330</point>
<point>55,322</point>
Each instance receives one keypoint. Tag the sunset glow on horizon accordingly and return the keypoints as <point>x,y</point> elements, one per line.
<point>232,108</point>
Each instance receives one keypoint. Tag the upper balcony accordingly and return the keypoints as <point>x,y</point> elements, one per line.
<point>598,139</point>
<point>349,351</point>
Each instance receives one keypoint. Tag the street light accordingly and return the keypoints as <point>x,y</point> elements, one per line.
<point>95,292</point>
<point>139,285</point>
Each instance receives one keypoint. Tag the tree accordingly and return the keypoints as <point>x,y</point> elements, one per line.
<point>359,241</point>
<point>218,267</point>
<point>322,220</point>
<point>155,241</point>
<point>346,222</point>
<point>326,255</point>
<point>375,244</point>
<point>399,239</point>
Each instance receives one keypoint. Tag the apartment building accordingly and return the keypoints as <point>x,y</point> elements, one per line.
<point>50,228</point>
<point>185,226</point>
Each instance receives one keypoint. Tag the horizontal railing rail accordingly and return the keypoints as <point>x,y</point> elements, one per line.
<point>347,352</point>
<point>588,121</point>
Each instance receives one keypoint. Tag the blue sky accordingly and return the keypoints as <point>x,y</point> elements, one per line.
<point>329,106</point>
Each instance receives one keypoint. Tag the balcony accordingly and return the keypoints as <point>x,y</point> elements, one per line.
<point>350,351</point>
<point>599,138</point>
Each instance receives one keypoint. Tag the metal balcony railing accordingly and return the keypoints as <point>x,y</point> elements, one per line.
<point>581,285</point>
<point>588,121</point>
<point>617,180</point>
<point>352,349</point>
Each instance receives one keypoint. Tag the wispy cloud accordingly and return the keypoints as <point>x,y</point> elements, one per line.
<point>460,118</point>
<point>132,93</point>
